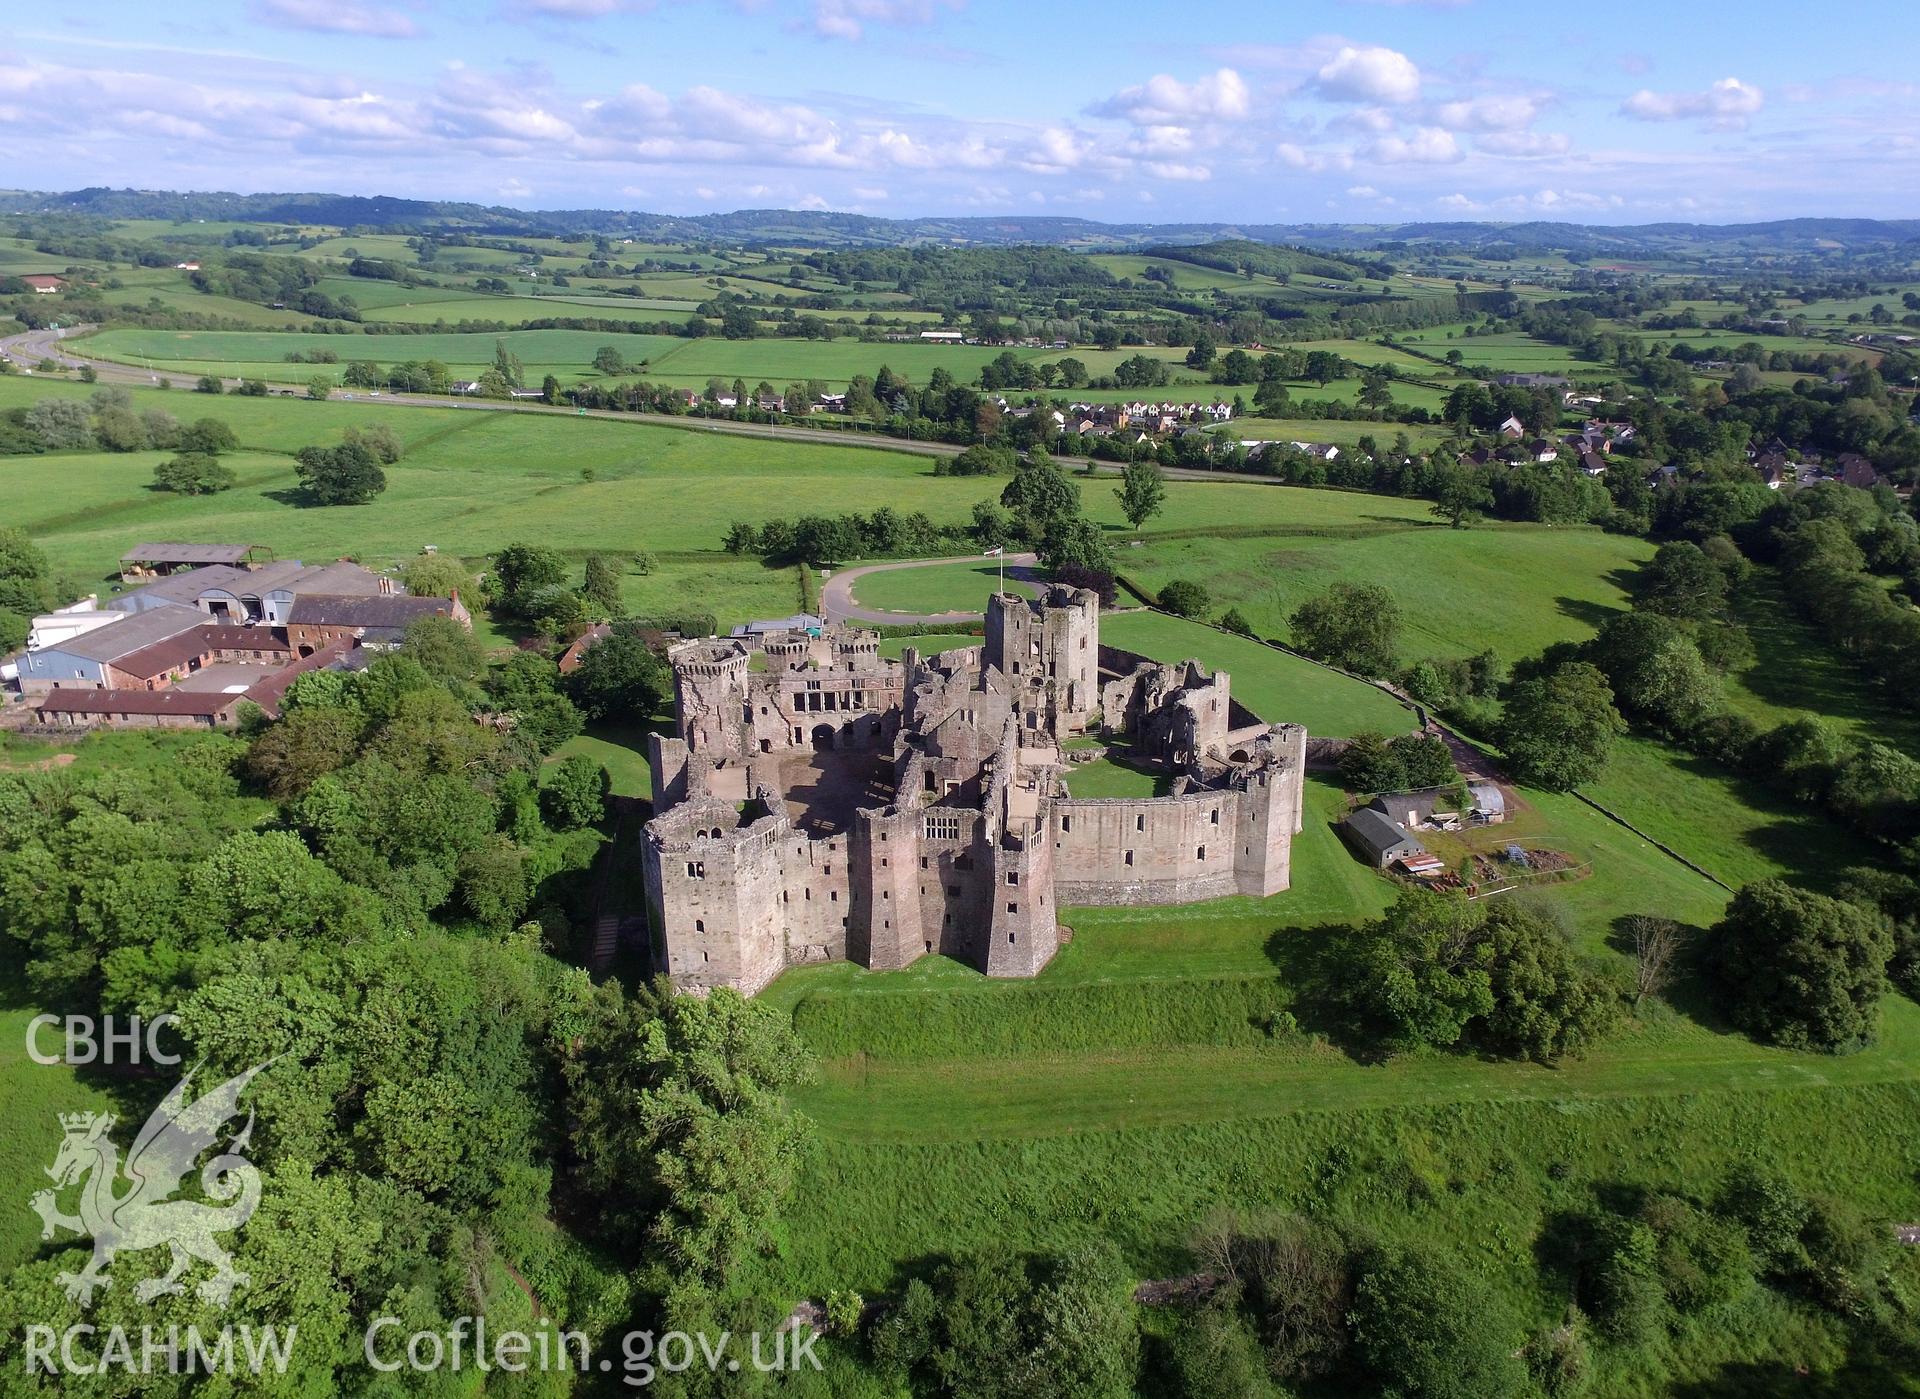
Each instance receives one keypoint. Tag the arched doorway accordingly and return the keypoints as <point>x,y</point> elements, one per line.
<point>823,738</point>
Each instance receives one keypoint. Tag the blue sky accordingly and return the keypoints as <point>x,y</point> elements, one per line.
<point>1362,110</point>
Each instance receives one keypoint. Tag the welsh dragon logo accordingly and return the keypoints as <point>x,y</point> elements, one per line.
<point>143,1217</point>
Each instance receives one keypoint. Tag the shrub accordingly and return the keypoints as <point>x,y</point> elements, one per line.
<point>1427,1329</point>
<point>1185,598</point>
<point>193,473</point>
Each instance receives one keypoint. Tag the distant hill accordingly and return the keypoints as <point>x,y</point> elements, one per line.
<point>826,229</point>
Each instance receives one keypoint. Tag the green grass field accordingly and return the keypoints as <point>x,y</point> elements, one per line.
<point>1516,588</point>
<point>1280,688</point>
<point>958,587</point>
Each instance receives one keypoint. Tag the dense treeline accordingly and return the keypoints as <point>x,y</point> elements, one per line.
<point>379,893</point>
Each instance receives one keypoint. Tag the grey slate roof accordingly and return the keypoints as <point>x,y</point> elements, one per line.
<point>1377,834</point>
<point>131,633</point>
<point>342,610</point>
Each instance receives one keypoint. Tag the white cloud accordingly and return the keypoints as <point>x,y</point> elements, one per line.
<point>812,202</point>
<point>1524,144</point>
<point>1456,204</point>
<point>1727,104</point>
<point>1298,158</point>
<point>336,17</point>
<point>1428,145</point>
<point>1374,119</point>
<point>848,19</point>
<point>579,9</point>
<point>515,189</point>
<point>1166,101</point>
<point>1500,112</point>
<point>870,194</point>
<point>1371,74</point>
<point>1173,170</point>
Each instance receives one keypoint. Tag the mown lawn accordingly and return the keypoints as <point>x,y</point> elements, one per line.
<point>1114,776</point>
<point>619,748</point>
<point>959,587</point>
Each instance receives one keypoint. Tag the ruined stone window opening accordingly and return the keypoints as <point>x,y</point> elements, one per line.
<point>1129,857</point>
<point>696,870</point>
<point>1012,908</point>
<point>1013,876</point>
<point>1201,854</point>
<point>699,925</point>
<point>1140,822</point>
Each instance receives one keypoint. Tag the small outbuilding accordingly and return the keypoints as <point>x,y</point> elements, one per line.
<point>1489,803</point>
<point>1379,840</point>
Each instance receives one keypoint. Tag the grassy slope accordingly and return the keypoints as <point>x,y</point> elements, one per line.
<point>1516,588</point>
<point>1278,687</point>
<point>32,1096</point>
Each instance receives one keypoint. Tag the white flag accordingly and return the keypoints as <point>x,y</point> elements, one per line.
<point>995,552</point>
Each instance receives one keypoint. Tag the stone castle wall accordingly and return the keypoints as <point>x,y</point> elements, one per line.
<point>978,844</point>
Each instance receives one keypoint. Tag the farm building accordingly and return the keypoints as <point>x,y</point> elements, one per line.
<point>44,283</point>
<point>145,561</point>
<point>1379,840</point>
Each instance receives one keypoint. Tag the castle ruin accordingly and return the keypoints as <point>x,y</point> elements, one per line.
<point>818,803</point>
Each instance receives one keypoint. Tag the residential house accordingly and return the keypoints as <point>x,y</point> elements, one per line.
<point>1512,428</point>
<point>581,644</point>
<point>1855,470</point>
<point>1544,450</point>
<point>1531,381</point>
<point>44,283</point>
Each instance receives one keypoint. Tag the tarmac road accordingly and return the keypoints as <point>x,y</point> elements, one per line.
<point>836,597</point>
<point>63,347</point>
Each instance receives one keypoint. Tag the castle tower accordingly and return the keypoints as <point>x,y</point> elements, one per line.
<point>1053,639</point>
<point>1272,806</point>
<point>715,889</point>
<point>710,696</point>
<point>786,653</point>
<point>1023,929</point>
